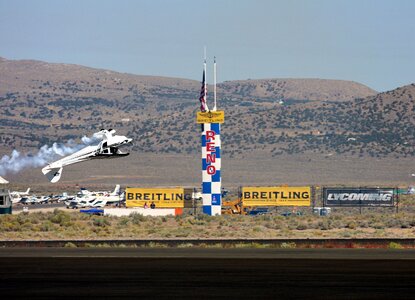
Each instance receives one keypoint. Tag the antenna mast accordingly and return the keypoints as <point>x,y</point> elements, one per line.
<point>214,83</point>
<point>204,68</point>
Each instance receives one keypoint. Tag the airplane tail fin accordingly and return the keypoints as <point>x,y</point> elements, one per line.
<point>116,190</point>
<point>105,134</point>
<point>53,174</point>
<point>28,190</point>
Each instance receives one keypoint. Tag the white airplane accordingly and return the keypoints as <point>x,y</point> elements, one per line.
<point>98,203</point>
<point>81,199</point>
<point>3,181</point>
<point>17,196</point>
<point>86,196</point>
<point>109,198</point>
<point>39,199</point>
<point>65,197</point>
<point>107,148</point>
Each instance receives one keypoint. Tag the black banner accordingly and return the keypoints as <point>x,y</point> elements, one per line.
<point>358,196</point>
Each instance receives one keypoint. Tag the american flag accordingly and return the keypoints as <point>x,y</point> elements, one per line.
<point>203,93</point>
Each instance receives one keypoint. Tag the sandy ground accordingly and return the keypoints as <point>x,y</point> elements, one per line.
<point>150,170</point>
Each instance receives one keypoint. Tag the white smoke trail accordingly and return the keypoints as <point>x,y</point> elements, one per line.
<point>17,161</point>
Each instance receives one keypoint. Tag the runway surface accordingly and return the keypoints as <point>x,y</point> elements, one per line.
<point>35,207</point>
<point>207,273</point>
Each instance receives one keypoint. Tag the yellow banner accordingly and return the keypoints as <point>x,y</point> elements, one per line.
<point>276,196</point>
<point>210,117</point>
<point>161,197</point>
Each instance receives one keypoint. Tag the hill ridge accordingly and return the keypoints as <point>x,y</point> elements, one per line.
<point>269,117</point>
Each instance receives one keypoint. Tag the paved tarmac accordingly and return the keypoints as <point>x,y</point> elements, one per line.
<point>62,273</point>
<point>36,207</point>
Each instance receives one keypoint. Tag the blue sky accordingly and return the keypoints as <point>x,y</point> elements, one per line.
<point>368,41</point>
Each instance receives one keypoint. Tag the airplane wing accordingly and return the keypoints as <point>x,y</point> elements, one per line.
<point>107,148</point>
<point>53,171</point>
<point>53,174</point>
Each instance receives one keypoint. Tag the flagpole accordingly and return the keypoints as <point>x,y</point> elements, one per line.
<point>204,68</point>
<point>214,83</point>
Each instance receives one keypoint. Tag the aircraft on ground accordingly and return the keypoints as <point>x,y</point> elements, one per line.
<point>107,148</point>
<point>85,198</point>
<point>109,198</point>
<point>39,199</point>
<point>17,196</point>
<point>87,202</point>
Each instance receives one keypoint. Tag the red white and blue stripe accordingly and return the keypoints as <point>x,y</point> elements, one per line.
<point>211,169</point>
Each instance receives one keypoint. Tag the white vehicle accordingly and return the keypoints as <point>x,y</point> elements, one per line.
<point>107,148</point>
<point>17,196</point>
<point>197,196</point>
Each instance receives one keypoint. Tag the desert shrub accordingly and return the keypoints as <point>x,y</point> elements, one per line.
<point>201,217</point>
<point>275,224</point>
<point>185,245</point>
<point>345,234</point>
<point>181,231</point>
<point>123,221</point>
<point>363,224</point>
<point>302,226</point>
<point>292,222</point>
<point>265,218</point>
<point>180,218</point>
<point>324,224</point>
<point>21,218</point>
<point>156,245</point>
<point>70,245</point>
<point>223,223</point>
<point>405,224</point>
<point>378,225</point>
<point>26,226</point>
<point>60,217</point>
<point>137,218</point>
<point>351,225</point>
<point>393,245</point>
<point>101,222</point>
<point>83,217</point>
<point>46,226</point>
<point>257,229</point>
<point>35,220</point>
<point>290,245</point>
<point>392,223</point>
<point>7,226</point>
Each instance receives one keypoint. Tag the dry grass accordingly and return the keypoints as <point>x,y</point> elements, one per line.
<point>62,224</point>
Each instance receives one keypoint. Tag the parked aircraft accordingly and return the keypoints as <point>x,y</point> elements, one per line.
<point>109,198</point>
<point>40,199</point>
<point>86,202</point>
<point>85,198</point>
<point>17,196</point>
<point>107,148</point>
